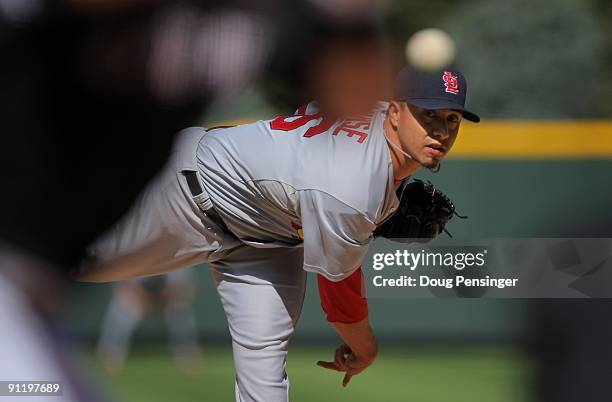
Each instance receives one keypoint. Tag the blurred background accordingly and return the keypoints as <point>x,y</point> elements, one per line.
<point>539,165</point>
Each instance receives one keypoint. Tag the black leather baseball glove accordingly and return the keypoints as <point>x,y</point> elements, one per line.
<point>422,215</point>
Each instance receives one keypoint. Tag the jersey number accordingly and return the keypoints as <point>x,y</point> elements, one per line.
<point>352,127</point>
<point>288,123</point>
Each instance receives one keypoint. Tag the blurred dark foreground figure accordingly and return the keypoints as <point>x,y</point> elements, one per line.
<point>572,350</point>
<point>90,86</point>
<point>571,338</point>
<point>86,84</point>
<point>92,92</point>
<point>85,89</point>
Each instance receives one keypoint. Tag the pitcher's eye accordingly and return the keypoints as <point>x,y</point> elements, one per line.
<point>430,113</point>
<point>453,118</point>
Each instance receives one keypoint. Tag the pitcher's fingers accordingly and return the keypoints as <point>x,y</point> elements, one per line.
<point>347,378</point>
<point>340,359</point>
<point>329,365</point>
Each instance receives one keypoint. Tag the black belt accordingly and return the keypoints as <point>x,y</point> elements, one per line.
<point>201,198</point>
<point>192,181</point>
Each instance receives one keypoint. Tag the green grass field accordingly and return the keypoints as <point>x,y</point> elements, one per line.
<point>406,374</point>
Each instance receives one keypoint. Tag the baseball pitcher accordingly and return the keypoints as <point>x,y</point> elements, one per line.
<point>263,203</point>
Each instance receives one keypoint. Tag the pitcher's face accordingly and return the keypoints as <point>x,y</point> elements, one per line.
<point>428,135</point>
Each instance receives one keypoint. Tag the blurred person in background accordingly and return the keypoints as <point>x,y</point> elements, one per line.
<point>336,52</point>
<point>172,294</point>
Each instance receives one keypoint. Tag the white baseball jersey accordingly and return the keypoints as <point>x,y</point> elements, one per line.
<point>279,185</point>
<point>303,181</point>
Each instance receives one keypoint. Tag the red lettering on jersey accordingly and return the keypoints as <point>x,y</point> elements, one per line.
<point>285,123</point>
<point>319,128</point>
<point>358,126</point>
<point>288,123</point>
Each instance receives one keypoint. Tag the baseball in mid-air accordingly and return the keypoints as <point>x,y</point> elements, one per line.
<point>430,49</point>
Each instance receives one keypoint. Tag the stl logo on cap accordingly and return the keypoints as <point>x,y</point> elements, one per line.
<point>451,83</point>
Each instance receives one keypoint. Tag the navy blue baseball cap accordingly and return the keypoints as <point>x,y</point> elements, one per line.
<point>445,89</point>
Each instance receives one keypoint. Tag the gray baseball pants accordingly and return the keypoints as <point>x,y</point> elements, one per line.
<point>261,289</point>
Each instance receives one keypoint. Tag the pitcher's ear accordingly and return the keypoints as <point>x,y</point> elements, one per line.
<point>393,113</point>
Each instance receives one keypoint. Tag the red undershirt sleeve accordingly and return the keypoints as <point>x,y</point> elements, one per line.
<point>344,301</point>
